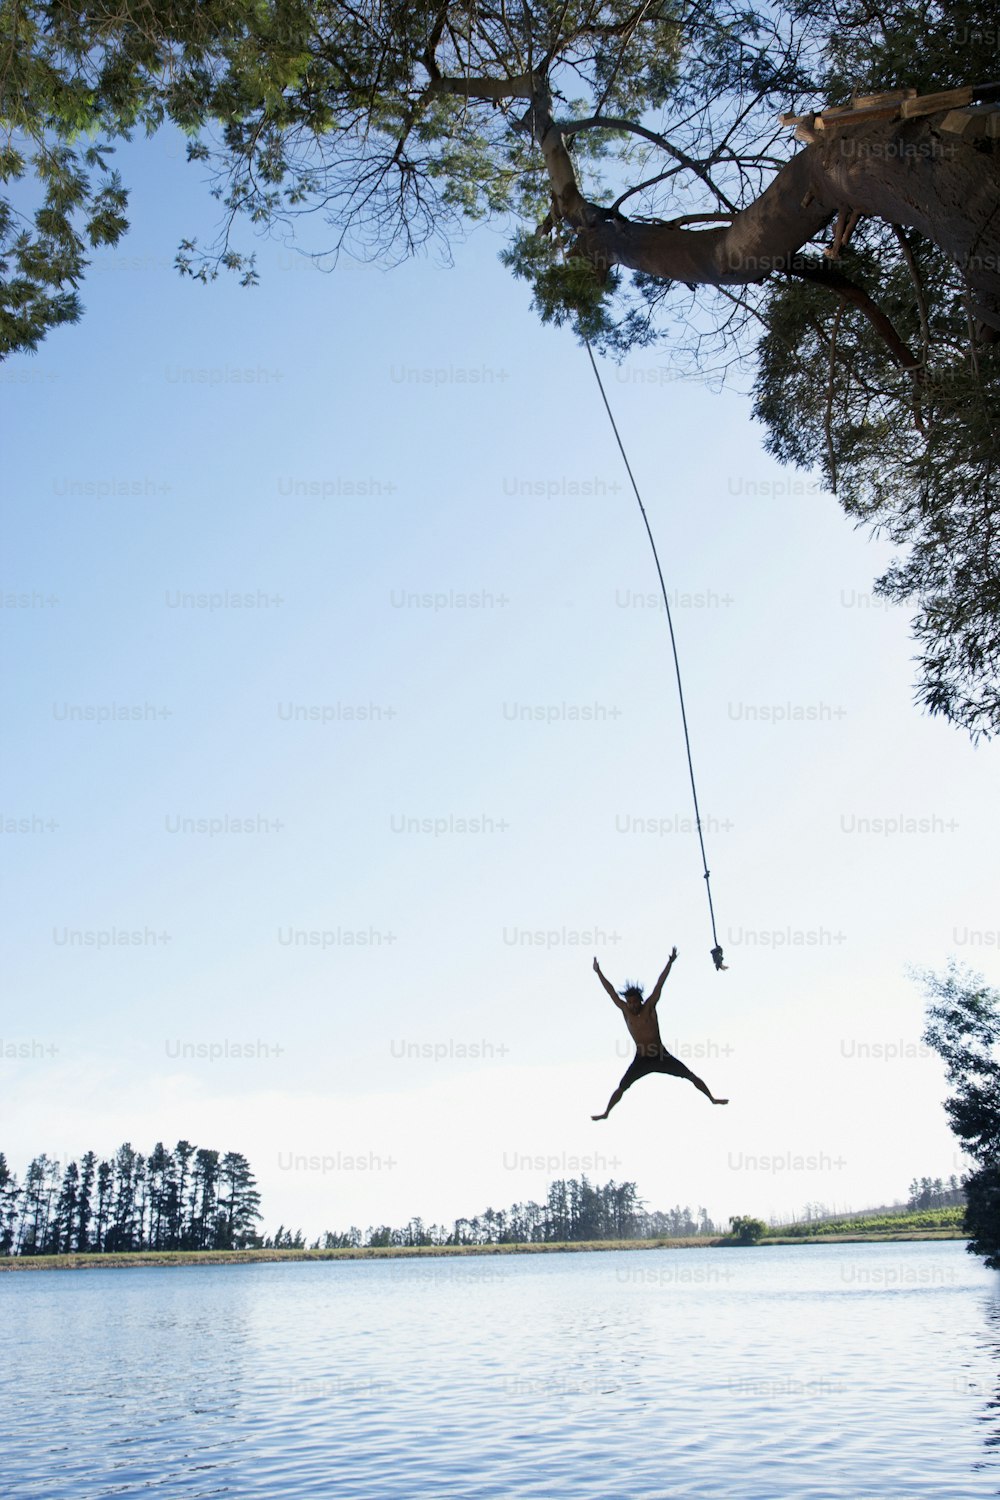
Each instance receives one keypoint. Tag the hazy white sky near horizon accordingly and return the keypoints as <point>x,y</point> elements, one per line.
<point>336,448</point>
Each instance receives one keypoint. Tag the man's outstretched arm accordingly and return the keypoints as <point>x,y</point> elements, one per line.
<point>660,982</point>
<point>609,986</point>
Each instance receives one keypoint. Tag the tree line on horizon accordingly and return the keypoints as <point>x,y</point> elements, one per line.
<point>574,1210</point>
<point>188,1198</point>
<point>193,1198</point>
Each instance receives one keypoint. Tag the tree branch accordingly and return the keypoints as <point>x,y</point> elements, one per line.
<point>520,87</point>
<point>918,288</point>
<point>608,122</point>
<point>856,296</point>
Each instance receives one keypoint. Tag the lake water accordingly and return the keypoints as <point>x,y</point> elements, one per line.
<point>816,1371</point>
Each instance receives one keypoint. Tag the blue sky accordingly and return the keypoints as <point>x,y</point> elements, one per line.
<point>355,458</point>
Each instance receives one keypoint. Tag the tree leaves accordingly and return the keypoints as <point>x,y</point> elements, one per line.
<point>398,125</point>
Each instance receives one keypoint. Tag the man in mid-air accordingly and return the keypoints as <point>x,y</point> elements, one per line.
<point>650,1054</point>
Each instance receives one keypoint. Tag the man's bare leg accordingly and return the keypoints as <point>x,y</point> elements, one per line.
<point>611,1104</point>
<point>700,1084</point>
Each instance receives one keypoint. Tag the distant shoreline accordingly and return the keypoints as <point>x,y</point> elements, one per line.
<point>138,1258</point>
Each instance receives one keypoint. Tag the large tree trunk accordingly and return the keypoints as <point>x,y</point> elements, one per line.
<point>904,172</point>
<point>908,172</point>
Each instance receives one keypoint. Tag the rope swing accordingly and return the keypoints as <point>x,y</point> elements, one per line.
<point>717,954</point>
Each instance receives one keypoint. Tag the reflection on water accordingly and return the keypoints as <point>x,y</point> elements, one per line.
<point>805,1371</point>
<point>987,1387</point>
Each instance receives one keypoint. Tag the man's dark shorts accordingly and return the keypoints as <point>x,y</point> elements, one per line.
<point>657,1061</point>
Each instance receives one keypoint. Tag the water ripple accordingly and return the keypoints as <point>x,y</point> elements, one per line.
<point>835,1372</point>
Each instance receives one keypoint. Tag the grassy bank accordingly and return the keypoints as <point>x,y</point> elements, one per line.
<point>257,1257</point>
<point>394,1252</point>
<point>855,1238</point>
<point>915,1219</point>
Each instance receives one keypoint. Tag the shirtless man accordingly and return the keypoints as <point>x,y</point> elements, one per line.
<point>650,1054</point>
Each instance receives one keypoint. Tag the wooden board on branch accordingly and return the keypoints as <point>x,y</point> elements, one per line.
<point>893,104</point>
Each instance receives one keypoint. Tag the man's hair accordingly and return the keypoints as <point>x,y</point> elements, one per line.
<point>631,988</point>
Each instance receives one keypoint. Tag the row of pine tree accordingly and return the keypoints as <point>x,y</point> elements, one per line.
<point>193,1198</point>
<point>575,1209</point>
<point>935,1192</point>
<point>190,1198</point>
